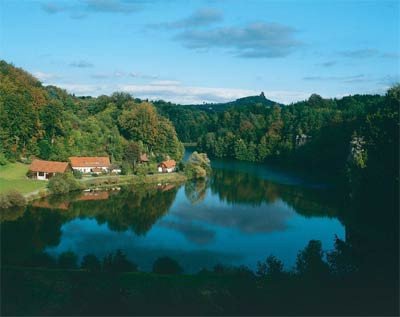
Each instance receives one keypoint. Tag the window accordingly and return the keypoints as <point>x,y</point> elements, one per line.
<point>41,173</point>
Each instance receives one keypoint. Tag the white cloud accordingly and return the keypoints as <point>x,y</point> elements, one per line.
<point>175,92</point>
<point>45,77</point>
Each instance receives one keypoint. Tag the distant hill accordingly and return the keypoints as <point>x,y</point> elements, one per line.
<point>238,103</point>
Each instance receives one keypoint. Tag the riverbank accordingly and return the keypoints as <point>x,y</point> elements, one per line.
<point>13,177</point>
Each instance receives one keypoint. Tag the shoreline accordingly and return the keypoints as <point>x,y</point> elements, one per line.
<point>100,182</point>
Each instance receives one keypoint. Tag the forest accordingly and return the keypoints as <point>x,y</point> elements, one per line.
<point>348,140</point>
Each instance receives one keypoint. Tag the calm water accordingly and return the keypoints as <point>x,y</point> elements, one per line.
<point>242,214</point>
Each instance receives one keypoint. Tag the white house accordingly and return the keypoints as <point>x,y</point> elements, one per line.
<point>168,166</point>
<point>90,164</point>
<point>44,170</point>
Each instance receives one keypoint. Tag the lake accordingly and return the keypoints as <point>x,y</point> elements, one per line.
<point>240,215</point>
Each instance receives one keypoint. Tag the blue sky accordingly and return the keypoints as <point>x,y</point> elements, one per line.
<point>205,51</point>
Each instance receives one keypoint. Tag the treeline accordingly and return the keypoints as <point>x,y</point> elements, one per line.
<point>49,123</point>
<point>319,284</point>
<point>351,139</point>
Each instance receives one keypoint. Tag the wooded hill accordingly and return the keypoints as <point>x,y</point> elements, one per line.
<point>355,137</point>
<point>49,123</point>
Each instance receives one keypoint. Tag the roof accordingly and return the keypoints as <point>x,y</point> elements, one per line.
<point>89,161</point>
<point>144,158</point>
<point>48,166</point>
<point>168,163</point>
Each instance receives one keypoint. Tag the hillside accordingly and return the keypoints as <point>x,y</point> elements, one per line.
<point>244,102</point>
<point>49,123</point>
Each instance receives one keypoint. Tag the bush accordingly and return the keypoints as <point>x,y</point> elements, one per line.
<point>63,183</point>
<point>118,262</point>
<point>68,260</point>
<point>12,199</point>
<point>3,159</point>
<point>91,263</point>
<point>77,174</point>
<point>272,267</point>
<point>166,265</point>
<point>198,166</point>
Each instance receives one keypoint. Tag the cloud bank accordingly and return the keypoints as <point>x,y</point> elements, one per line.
<point>256,40</point>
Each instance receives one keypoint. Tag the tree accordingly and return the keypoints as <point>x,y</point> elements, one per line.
<point>63,183</point>
<point>272,267</point>
<point>198,165</point>
<point>309,261</point>
<point>68,260</point>
<point>166,265</point>
<point>91,263</point>
<point>132,153</point>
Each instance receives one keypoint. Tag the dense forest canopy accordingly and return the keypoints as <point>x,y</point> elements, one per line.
<point>353,138</point>
<point>49,123</point>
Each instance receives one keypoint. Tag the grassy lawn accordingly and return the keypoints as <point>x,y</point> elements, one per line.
<point>12,176</point>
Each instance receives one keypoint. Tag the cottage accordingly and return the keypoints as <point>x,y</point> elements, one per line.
<point>44,170</point>
<point>168,166</point>
<point>87,164</point>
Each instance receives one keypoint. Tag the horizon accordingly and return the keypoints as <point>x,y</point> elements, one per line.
<point>206,51</point>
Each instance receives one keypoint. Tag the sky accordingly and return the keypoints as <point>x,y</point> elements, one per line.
<point>198,51</point>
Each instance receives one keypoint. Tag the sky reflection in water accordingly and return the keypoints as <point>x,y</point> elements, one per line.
<point>214,228</point>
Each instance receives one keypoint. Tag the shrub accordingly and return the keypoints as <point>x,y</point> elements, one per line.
<point>272,267</point>
<point>3,159</point>
<point>118,262</point>
<point>68,260</point>
<point>91,263</point>
<point>77,174</point>
<point>166,265</point>
<point>12,199</point>
<point>63,183</point>
<point>198,166</point>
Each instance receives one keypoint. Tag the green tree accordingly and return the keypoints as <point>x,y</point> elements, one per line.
<point>166,265</point>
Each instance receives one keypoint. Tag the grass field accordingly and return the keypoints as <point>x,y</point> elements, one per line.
<point>13,177</point>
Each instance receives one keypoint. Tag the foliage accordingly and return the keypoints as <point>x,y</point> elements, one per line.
<point>271,267</point>
<point>12,199</point>
<point>132,153</point>
<point>3,159</point>
<point>310,260</point>
<point>68,260</point>
<point>118,262</point>
<point>49,123</point>
<point>197,166</point>
<point>166,265</point>
<point>63,183</point>
<point>91,263</point>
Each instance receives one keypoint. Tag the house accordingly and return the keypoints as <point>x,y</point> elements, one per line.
<point>144,158</point>
<point>168,166</point>
<point>115,169</point>
<point>90,164</point>
<point>44,170</point>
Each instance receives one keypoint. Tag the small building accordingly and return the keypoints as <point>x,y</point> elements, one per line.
<point>90,164</point>
<point>115,169</point>
<point>168,166</point>
<point>144,158</point>
<point>44,170</point>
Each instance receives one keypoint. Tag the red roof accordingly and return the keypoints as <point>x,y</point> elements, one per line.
<point>88,161</point>
<point>168,164</point>
<point>48,166</point>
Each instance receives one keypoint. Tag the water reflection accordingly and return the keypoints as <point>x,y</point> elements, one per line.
<point>233,218</point>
